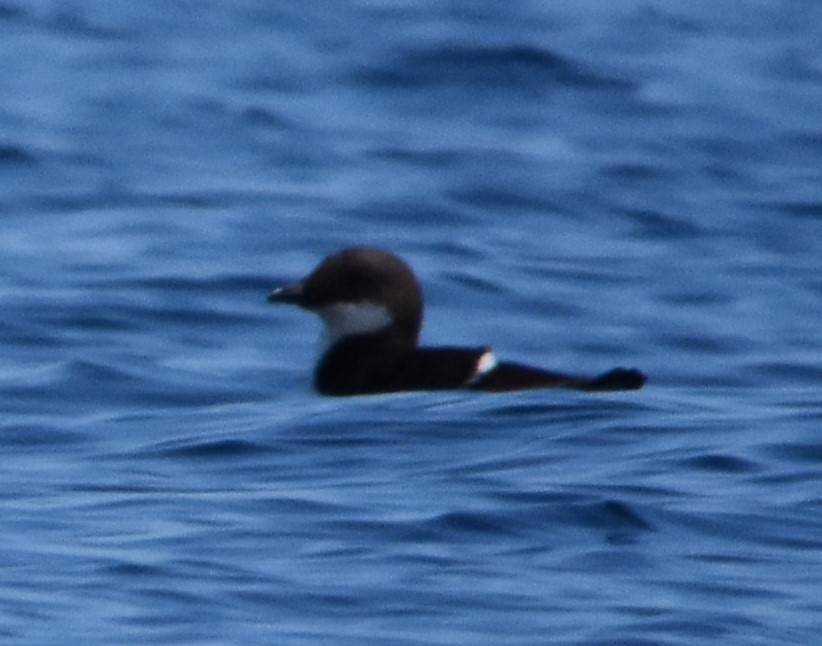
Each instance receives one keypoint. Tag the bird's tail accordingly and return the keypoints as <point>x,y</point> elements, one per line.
<point>515,376</point>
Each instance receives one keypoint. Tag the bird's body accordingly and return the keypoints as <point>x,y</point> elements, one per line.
<point>371,305</point>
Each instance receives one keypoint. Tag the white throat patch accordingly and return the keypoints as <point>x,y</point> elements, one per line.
<point>349,319</point>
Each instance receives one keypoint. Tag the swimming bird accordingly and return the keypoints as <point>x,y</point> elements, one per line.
<point>372,308</point>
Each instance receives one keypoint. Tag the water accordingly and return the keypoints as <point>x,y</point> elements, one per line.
<point>579,184</point>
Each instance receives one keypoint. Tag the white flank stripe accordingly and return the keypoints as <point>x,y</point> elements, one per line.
<point>485,364</point>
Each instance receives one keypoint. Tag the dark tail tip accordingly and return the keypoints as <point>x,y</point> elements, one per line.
<point>618,379</point>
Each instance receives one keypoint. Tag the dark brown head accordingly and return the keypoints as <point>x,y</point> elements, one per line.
<point>360,290</point>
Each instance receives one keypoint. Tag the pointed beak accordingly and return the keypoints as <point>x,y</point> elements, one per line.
<point>291,294</point>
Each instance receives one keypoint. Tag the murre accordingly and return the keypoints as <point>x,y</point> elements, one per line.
<point>371,305</point>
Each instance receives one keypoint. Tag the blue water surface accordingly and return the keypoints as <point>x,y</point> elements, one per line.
<point>579,184</point>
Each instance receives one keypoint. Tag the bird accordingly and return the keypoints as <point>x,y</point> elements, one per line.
<point>371,305</point>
